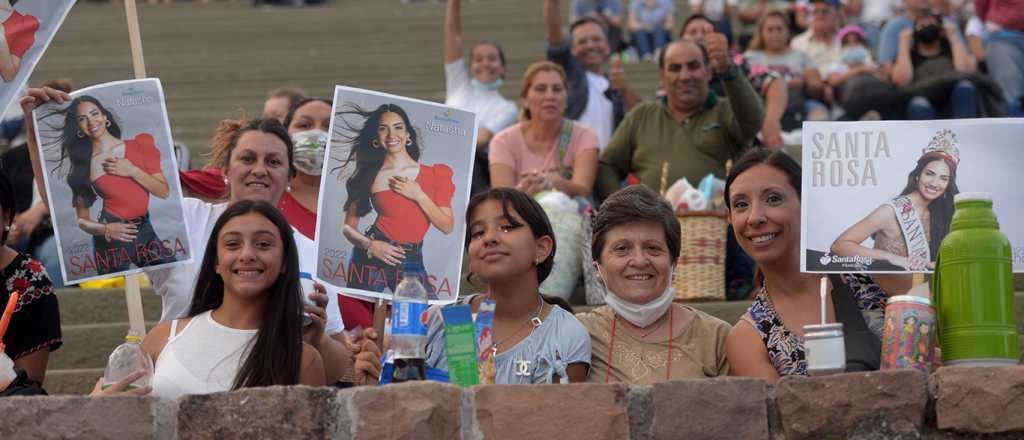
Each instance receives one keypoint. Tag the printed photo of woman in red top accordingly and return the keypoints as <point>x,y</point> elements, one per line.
<point>18,33</point>
<point>122,172</point>
<point>407,197</point>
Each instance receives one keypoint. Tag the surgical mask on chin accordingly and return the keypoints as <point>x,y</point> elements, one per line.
<point>855,55</point>
<point>641,315</point>
<point>308,152</point>
<point>493,85</point>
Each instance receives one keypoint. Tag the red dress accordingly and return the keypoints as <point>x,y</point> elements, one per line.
<point>400,218</point>
<point>123,196</point>
<point>20,32</point>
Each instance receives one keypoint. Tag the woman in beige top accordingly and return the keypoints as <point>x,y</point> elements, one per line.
<point>640,336</point>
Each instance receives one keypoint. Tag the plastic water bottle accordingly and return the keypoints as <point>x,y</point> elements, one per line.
<point>126,359</point>
<point>409,326</point>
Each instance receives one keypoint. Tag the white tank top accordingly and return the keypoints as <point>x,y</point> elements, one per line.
<point>204,358</point>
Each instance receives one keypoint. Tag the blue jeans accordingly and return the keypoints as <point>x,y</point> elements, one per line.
<point>374,275</point>
<point>647,41</point>
<point>1004,53</point>
<point>962,104</point>
<point>725,27</point>
<point>46,253</point>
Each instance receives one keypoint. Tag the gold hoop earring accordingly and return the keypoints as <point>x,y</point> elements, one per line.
<point>108,122</point>
<point>408,142</point>
<point>375,143</point>
<point>80,134</point>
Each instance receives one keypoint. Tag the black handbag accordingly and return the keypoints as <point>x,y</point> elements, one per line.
<point>863,347</point>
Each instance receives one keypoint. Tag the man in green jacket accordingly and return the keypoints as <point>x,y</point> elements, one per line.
<point>693,130</point>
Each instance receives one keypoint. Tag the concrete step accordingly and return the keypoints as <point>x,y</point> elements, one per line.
<point>91,306</point>
<point>76,381</point>
<point>88,345</point>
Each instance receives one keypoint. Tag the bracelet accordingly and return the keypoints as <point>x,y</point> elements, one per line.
<point>369,253</point>
<point>106,232</point>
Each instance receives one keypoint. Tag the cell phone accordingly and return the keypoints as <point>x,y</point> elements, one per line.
<point>306,281</point>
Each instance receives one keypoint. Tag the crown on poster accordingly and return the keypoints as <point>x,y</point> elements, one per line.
<point>944,142</point>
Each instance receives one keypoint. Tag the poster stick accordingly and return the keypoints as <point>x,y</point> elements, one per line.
<point>133,295</point>
<point>136,323</point>
<point>380,313</point>
<point>135,39</point>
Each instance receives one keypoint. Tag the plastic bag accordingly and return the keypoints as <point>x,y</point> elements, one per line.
<point>566,221</point>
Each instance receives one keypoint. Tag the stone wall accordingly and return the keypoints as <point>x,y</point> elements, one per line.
<point>954,403</point>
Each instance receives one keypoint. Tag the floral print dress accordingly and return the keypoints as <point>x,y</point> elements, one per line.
<point>786,349</point>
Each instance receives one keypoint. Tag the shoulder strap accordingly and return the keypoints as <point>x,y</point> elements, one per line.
<point>563,146</point>
<point>863,348</point>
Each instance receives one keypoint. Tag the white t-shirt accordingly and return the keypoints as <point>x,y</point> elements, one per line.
<point>878,11</point>
<point>599,113</point>
<point>176,285</point>
<point>714,9</point>
<point>494,111</point>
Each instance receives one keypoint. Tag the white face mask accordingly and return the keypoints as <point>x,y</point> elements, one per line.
<point>308,151</point>
<point>641,315</point>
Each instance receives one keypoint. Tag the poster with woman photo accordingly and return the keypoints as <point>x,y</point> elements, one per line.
<point>26,29</point>
<point>879,196</point>
<point>110,174</point>
<point>395,187</point>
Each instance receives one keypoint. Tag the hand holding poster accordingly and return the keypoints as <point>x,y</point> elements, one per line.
<point>26,29</point>
<point>878,196</point>
<point>107,155</point>
<point>395,187</point>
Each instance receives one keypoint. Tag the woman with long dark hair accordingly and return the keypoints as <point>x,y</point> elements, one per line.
<point>408,197</point>
<point>244,327</point>
<point>907,230</point>
<point>763,196</point>
<point>123,173</point>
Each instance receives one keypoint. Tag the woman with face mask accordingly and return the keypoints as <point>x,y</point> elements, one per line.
<point>307,123</point>
<point>641,336</point>
<point>478,91</point>
<point>929,52</point>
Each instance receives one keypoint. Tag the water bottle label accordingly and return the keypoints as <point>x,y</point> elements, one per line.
<point>409,318</point>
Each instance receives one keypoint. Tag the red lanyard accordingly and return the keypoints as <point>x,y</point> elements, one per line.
<point>611,346</point>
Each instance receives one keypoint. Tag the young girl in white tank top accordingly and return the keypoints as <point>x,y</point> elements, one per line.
<point>244,327</point>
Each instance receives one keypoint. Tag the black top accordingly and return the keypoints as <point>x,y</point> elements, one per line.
<point>35,324</point>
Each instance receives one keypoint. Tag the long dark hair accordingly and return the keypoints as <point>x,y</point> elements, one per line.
<point>276,355</point>
<point>76,148</point>
<point>368,158</point>
<point>528,209</point>
<point>940,210</point>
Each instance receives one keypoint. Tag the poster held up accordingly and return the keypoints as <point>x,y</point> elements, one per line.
<point>28,27</point>
<point>878,196</point>
<point>106,158</point>
<point>395,186</point>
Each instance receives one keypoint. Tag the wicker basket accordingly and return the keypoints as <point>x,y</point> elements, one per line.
<point>700,271</point>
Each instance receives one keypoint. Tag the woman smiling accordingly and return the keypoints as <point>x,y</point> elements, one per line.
<point>641,336</point>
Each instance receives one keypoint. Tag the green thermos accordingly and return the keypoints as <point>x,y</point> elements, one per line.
<point>973,288</point>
